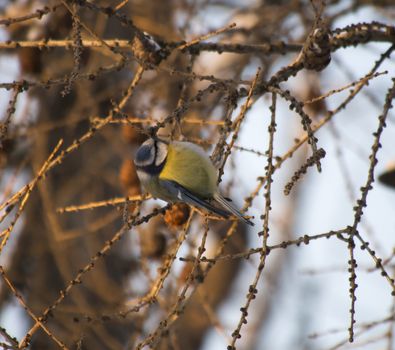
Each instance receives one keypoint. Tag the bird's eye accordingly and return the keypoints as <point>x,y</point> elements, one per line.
<point>144,156</point>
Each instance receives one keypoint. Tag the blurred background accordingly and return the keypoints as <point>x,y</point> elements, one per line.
<point>180,67</point>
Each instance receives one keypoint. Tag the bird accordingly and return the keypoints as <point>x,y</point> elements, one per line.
<point>180,171</point>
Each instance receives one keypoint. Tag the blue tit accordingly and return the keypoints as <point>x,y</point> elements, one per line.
<point>182,172</point>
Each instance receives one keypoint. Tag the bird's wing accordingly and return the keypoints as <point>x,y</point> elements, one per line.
<point>225,204</point>
<point>184,195</point>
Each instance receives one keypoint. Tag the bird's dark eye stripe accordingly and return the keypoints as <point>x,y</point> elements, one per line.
<point>156,152</point>
<point>152,169</point>
<point>143,154</point>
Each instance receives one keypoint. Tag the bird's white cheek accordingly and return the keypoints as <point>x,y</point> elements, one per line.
<point>144,177</point>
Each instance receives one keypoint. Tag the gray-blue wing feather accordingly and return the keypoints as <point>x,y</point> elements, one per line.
<point>228,206</point>
<point>184,195</point>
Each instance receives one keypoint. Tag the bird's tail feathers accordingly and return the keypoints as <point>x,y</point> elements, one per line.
<point>225,204</point>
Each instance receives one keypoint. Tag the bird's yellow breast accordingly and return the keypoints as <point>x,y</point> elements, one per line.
<point>188,166</point>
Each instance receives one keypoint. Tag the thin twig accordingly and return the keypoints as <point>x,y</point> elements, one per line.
<point>252,291</point>
<point>206,36</point>
<point>99,204</point>
<point>26,194</point>
<point>26,340</point>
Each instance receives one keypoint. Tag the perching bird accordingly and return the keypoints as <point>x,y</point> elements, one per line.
<point>181,172</point>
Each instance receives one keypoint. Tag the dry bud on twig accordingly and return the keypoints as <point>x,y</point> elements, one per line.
<point>316,52</point>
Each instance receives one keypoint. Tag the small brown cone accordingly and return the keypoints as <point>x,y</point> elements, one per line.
<point>177,215</point>
<point>316,52</point>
